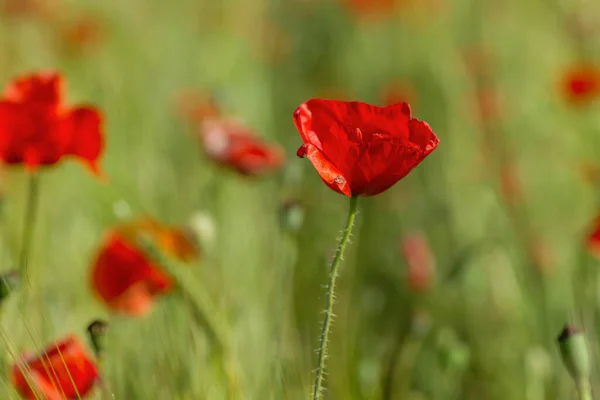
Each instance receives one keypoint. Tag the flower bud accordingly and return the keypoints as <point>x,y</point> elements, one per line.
<point>574,353</point>
<point>202,227</point>
<point>292,216</point>
<point>97,334</point>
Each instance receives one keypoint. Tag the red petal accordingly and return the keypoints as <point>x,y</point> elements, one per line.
<point>63,367</point>
<point>40,89</point>
<point>327,171</point>
<point>125,279</point>
<point>83,128</point>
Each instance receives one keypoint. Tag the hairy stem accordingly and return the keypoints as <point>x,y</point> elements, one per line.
<point>333,274</point>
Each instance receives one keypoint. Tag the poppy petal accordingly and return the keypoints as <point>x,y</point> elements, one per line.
<point>63,368</point>
<point>41,89</point>
<point>83,126</point>
<point>125,279</point>
<point>327,171</point>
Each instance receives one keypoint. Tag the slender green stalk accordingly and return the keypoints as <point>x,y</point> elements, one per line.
<point>584,390</point>
<point>29,222</point>
<point>333,274</point>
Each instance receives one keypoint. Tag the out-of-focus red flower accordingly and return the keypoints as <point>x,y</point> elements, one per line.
<point>398,93</point>
<point>359,149</point>
<point>581,84</point>
<point>419,261</point>
<point>124,278</point>
<point>62,371</point>
<point>593,238</point>
<point>370,8</point>
<point>81,35</point>
<point>233,145</point>
<point>590,173</point>
<point>37,129</point>
<point>24,8</point>
<point>196,106</point>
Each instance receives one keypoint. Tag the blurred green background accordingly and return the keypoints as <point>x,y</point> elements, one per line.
<point>503,201</point>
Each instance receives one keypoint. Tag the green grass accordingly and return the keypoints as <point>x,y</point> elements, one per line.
<point>487,333</point>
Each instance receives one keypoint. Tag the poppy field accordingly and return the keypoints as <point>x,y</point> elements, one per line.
<point>299,199</point>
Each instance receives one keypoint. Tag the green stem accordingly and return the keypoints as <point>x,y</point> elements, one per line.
<point>333,274</point>
<point>584,390</point>
<point>29,222</point>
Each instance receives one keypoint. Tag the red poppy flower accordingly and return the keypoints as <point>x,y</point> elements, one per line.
<point>62,371</point>
<point>419,261</point>
<point>359,149</point>
<point>124,278</point>
<point>581,84</point>
<point>231,144</point>
<point>36,128</point>
<point>370,8</point>
<point>593,239</point>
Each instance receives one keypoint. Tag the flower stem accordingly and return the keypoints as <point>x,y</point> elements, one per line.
<point>29,222</point>
<point>584,390</point>
<point>333,274</point>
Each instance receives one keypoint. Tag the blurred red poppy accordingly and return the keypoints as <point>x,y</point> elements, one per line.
<point>370,8</point>
<point>23,8</point>
<point>593,239</point>
<point>81,35</point>
<point>124,278</point>
<point>419,262</point>
<point>233,145</point>
<point>359,149</point>
<point>36,128</point>
<point>581,84</point>
<point>62,371</point>
<point>196,106</point>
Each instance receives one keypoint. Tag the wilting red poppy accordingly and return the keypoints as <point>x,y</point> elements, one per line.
<point>62,371</point>
<point>359,149</point>
<point>581,84</point>
<point>419,262</point>
<point>36,128</point>
<point>593,239</point>
<point>233,145</point>
<point>123,276</point>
